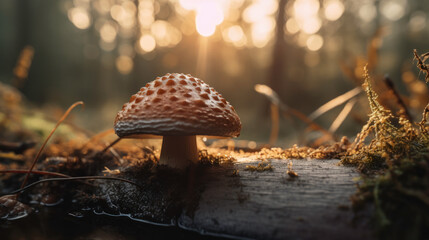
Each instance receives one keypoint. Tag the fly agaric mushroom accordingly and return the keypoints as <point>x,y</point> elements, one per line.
<point>177,107</point>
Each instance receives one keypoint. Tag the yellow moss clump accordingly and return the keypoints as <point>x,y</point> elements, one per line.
<point>397,151</point>
<point>261,167</point>
<point>394,137</point>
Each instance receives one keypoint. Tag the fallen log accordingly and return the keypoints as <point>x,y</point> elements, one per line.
<point>271,205</point>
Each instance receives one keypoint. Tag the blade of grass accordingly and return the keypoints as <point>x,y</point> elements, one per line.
<point>47,139</point>
<point>274,99</point>
<point>270,94</point>
<point>343,115</point>
<point>335,102</point>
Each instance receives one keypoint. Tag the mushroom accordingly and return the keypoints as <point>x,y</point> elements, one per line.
<point>177,107</point>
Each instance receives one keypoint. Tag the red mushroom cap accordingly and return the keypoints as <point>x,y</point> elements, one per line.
<point>177,105</point>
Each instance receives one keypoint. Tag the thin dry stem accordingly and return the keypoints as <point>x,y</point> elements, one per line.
<point>424,120</point>
<point>35,172</point>
<point>343,115</point>
<point>274,124</point>
<point>421,63</point>
<point>111,145</point>
<point>47,139</point>
<point>403,108</point>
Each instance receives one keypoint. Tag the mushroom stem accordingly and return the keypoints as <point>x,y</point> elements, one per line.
<point>178,151</point>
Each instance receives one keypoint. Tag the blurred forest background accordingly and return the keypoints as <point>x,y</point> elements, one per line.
<point>308,51</point>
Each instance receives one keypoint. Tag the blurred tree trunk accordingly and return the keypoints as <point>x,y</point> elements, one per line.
<point>278,63</point>
<point>275,72</point>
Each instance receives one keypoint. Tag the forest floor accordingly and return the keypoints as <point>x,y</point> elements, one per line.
<point>374,187</point>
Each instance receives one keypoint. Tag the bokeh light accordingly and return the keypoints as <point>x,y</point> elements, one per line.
<point>259,9</point>
<point>418,21</point>
<point>306,14</point>
<point>108,32</point>
<point>188,4</point>
<point>334,9</point>
<point>393,9</point>
<point>165,34</point>
<point>260,16</point>
<point>79,17</point>
<point>153,24</point>
<point>124,14</point>
<point>262,31</point>
<point>102,6</point>
<point>311,25</point>
<point>235,35</point>
<point>314,42</point>
<point>209,15</point>
<point>146,14</point>
<point>124,64</point>
<point>292,26</point>
<point>147,43</point>
<point>367,12</point>
<point>242,23</point>
<point>305,8</point>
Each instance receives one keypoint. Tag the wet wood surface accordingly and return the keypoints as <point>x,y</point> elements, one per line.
<point>271,205</point>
